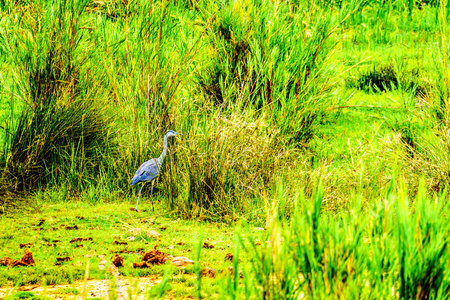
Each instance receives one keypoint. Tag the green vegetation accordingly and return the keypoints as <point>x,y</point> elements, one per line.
<point>66,236</point>
<point>326,122</point>
<point>26,295</point>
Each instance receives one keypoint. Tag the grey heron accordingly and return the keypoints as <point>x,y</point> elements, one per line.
<point>149,170</point>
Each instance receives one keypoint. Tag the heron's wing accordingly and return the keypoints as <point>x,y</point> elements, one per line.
<point>146,172</point>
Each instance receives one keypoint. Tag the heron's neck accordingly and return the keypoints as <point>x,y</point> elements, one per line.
<point>160,159</point>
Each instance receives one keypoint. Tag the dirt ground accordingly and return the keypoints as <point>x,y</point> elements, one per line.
<point>88,289</point>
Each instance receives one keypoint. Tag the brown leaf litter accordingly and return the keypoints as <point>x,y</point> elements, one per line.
<point>74,227</point>
<point>27,260</point>
<point>116,242</point>
<point>229,257</point>
<point>65,258</point>
<point>207,246</point>
<point>75,240</point>
<point>137,251</point>
<point>208,272</point>
<point>150,258</point>
<point>117,260</point>
<point>60,260</point>
<point>230,271</point>
<point>53,244</point>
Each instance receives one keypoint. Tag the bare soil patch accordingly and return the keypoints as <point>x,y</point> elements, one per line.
<point>88,289</point>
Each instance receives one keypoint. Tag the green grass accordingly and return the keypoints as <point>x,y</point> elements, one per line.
<point>26,295</point>
<point>390,244</point>
<point>108,225</point>
<point>285,108</point>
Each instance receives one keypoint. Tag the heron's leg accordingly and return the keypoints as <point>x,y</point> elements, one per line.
<point>137,203</point>
<point>151,194</point>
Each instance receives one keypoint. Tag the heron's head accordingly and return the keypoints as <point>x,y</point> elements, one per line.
<point>172,133</point>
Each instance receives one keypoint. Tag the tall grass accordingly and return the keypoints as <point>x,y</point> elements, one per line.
<point>265,92</point>
<point>93,86</point>
<point>208,72</point>
<point>398,250</point>
<point>62,134</point>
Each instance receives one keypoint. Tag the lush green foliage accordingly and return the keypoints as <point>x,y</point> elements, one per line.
<point>272,98</point>
<point>220,73</point>
<point>393,252</point>
<point>89,88</point>
<point>397,250</point>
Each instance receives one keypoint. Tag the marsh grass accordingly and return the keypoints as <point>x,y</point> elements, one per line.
<point>62,134</point>
<point>396,251</point>
<point>102,82</point>
<point>260,90</point>
<point>351,192</point>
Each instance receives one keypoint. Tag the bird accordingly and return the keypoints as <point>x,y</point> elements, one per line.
<point>149,170</point>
